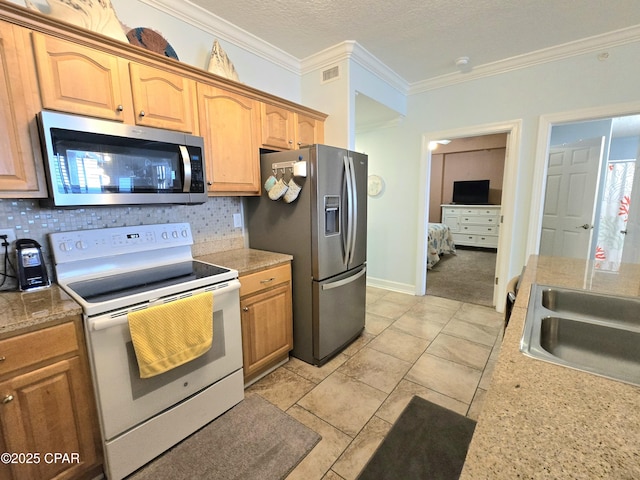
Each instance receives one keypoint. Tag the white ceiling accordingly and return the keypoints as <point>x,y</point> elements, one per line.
<point>422,40</point>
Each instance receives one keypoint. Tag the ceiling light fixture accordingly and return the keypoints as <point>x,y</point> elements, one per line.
<point>462,62</point>
<point>434,144</point>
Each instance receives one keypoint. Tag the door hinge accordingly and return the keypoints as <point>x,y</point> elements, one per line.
<point>496,280</point>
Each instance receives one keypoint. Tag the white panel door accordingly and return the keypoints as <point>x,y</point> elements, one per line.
<point>570,196</point>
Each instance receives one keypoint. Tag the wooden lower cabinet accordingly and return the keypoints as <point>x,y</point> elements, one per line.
<point>267,320</point>
<point>48,421</point>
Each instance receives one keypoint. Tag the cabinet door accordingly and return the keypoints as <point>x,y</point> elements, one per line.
<point>163,99</point>
<point>21,168</point>
<point>309,131</point>
<point>278,128</point>
<point>47,411</point>
<point>78,79</point>
<point>267,327</point>
<point>230,125</point>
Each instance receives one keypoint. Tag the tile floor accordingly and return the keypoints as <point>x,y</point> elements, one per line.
<point>440,349</point>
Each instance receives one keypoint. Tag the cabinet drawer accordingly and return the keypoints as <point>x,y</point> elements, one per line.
<point>255,282</point>
<point>488,241</point>
<point>481,229</point>
<point>480,211</point>
<point>35,347</point>
<point>462,239</point>
<point>479,220</point>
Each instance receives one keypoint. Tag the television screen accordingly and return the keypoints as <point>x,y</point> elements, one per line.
<point>471,192</point>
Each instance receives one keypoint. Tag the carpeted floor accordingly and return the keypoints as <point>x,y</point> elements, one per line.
<point>467,276</point>
<point>254,440</point>
<point>426,442</point>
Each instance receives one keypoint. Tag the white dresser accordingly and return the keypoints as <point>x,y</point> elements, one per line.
<point>473,225</point>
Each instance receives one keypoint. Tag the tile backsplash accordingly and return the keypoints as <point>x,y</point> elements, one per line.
<point>211,222</point>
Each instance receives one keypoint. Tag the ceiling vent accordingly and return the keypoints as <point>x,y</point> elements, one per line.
<point>330,74</point>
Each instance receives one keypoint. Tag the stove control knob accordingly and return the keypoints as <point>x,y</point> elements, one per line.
<point>80,245</point>
<point>175,234</point>
<point>165,235</point>
<point>185,234</point>
<point>66,246</point>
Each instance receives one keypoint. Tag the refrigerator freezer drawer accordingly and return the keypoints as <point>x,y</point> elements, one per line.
<point>339,312</point>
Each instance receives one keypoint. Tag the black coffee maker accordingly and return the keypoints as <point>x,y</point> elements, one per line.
<point>32,272</point>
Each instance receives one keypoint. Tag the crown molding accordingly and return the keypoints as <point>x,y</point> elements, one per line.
<point>371,126</point>
<point>352,50</point>
<point>547,55</point>
<point>224,30</point>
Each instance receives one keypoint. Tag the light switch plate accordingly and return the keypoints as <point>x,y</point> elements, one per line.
<point>237,220</point>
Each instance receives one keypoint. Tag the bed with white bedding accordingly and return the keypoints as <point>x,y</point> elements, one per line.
<point>439,242</point>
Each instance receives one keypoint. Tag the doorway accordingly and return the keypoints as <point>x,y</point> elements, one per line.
<point>605,205</point>
<point>465,192</point>
<point>504,267</point>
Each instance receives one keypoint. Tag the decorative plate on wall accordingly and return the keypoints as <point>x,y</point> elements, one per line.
<point>151,40</point>
<point>375,185</point>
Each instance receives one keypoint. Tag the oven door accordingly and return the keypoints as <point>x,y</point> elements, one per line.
<point>124,399</point>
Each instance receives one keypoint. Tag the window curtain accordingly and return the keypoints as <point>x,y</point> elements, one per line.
<point>614,214</point>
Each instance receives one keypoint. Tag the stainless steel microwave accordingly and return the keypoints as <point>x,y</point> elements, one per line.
<point>100,162</point>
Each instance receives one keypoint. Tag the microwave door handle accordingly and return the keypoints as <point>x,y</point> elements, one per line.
<point>186,165</point>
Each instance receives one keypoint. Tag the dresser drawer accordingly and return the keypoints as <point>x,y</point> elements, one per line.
<point>488,241</point>
<point>479,219</point>
<point>35,347</point>
<point>481,229</point>
<point>264,279</point>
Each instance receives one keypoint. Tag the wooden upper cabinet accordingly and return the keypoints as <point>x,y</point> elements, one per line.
<point>277,127</point>
<point>230,125</point>
<point>21,168</point>
<point>309,130</point>
<point>163,99</point>
<point>85,81</point>
<point>286,130</point>
<point>78,79</point>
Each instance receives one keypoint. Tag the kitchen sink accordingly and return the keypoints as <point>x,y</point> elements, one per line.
<point>587,331</point>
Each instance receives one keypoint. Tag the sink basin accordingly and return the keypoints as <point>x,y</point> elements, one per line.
<point>595,333</point>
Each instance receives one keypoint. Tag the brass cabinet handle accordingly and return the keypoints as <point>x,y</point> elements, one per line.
<point>120,108</point>
<point>142,114</point>
<point>245,309</point>
<point>7,398</point>
<point>268,280</point>
<point>3,358</point>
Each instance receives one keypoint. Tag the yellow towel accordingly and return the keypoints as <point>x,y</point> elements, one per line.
<point>167,336</point>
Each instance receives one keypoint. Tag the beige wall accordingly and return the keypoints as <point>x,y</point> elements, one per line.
<point>475,158</point>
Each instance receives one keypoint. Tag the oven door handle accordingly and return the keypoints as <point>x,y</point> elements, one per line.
<point>109,321</point>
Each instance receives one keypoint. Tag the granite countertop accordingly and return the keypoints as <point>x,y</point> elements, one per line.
<point>541,420</point>
<point>23,312</point>
<point>246,260</point>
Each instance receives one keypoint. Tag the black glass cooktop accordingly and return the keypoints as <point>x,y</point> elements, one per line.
<point>130,283</point>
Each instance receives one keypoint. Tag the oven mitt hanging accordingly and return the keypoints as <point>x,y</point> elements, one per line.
<point>293,191</point>
<point>278,190</point>
<point>269,183</point>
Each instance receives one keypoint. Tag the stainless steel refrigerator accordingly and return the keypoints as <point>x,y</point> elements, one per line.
<point>325,229</point>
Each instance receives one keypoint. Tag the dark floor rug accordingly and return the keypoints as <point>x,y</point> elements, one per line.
<point>427,442</point>
<point>468,276</point>
<point>254,440</point>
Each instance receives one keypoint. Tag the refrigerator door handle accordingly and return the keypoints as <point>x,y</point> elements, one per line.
<point>354,211</point>
<point>348,254</point>
<point>344,281</point>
